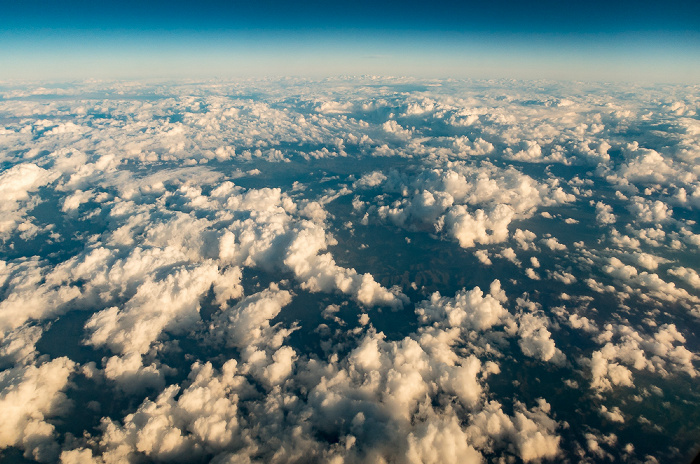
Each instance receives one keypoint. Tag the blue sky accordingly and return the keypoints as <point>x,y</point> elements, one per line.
<point>624,40</point>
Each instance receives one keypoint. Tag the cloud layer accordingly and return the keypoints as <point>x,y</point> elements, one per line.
<point>357,270</point>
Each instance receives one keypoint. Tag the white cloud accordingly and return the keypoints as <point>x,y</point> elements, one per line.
<point>165,232</point>
<point>19,346</point>
<point>531,431</point>
<point>28,397</point>
<point>662,352</point>
<point>649,211</point>
<point>248,322</point>
<point>535,339</point>
<point>468,309</point>
<point>331,107</point>
<point>553,244</point>
<point>392,127</point>
<point>171,304</point>
<point>483,257</point>
<point>604,214</point>
<point>371,179</point>
<point>481,227</point>
<point>613,415</point>
<point>686,274</point>
<point>16,186</point>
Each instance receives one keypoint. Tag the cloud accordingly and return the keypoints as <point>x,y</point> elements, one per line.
<point>205,228</point>
<point>530,431</point>
<point>332,107</point>
<point>651,284</point>
<point>662,352</point>
<point>369,180</point>
<point>171,304</point>
<point>481,227</point>
<point>553,244</point>
<point>468,309</point>
<point>604,215</point>
<point>247,324</point>
<point>16,185</point>
<point>688,275</point>
<point>535,340</point>
<point>613,415</point>
<point>28,397</point>
<point>18,347</point>
<point>648,211</point>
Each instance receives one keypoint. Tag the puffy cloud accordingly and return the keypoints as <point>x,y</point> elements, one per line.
<point>648,211</point>
<point>480,227</point>
<point>531,432</point>
<point>170,304</point>
<point>477,147</point>
<point>319,272</point>
<point>468,309</point>
<point>436,442</point>
<point>647,260</point>
<point>686,274</point>
<point>613,415</point>
<point>647,283</point>
<point>553,244</point>
<point>525,239</point>
<point>16,185</point>
<point>181,424</point>
<point>19,346</point>
<point>32,291</point>
<point>530,273</point>
<point>335,107</point>
<point>28,397</point>
<point>531,152</point>
<point>535,340</point>
<point>131,375</point>
<point>483,257</point>
<point>392,127</point>
<point>509,254</point>
<point>623,346</point>
<point>126,208</point>
<point>604,214</point>
<point>248,322</point>
<point>606,374</point>
<point>564,277</point>
<point>647,166</point>
<point>369,180</point>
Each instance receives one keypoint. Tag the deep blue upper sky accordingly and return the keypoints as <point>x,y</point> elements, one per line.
<point>548,16</point>
<point>621,40</point>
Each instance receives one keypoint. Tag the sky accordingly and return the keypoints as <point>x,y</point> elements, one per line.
<point>596,40</point>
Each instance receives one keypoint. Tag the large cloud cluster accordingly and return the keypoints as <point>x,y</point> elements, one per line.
<point>292,271</point>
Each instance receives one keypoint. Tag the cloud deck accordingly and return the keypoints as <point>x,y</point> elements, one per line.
<point>349,270</point>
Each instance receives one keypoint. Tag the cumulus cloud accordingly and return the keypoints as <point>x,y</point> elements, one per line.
<point>171,304</point>
<point>604,214</point>
<point>535,339</point>
<point>625,348</point>
<point>688,275</point>
<point>480,227</point>
<point>207,229</point>
<point>532,432</point>
<point>29,396</point>
<point>648,211</point>
<point>471,310</point>
<point>371,179</point>
<point>16,186</point>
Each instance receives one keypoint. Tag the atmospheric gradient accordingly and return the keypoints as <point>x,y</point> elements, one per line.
<point>346,270</point>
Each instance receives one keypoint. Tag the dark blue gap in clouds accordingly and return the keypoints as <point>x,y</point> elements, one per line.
<point>496,15</point>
